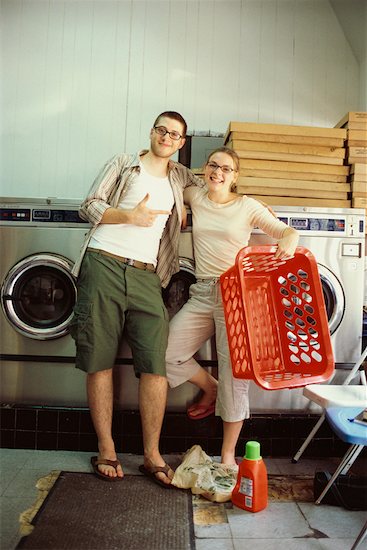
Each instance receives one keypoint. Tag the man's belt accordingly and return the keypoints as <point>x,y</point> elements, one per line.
<point>127,261</point>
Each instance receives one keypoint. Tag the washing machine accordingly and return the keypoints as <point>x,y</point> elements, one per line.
<point>41,239</point>
<point>336,237</point>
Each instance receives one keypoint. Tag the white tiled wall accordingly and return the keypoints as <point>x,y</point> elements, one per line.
<point>83,79</point>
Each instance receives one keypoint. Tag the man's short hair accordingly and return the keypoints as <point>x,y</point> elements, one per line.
<point>175,116</point>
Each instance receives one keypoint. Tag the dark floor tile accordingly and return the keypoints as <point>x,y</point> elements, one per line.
<point>282,427</point>
<point>46,441</point>
<point>205,427</point>
<point>247,428</point>
<point>7,439</point>
<point>86,424</point>
<point>131,423</point>
<point>173,445</point>
<point>261,426</point>
<point>68,442</point>
<point>69,421</point>
<point>117,422</point>
<point>281,447</point>
<point>175,425</point>
<point>202,441</point>
<point>26,419</point>
<point>25,439</point>
<point>7,418</point>
<point>88,442</point>
<point>319,448</point>
<point>47,420</point>
<point>214,446</point>
<point>130,444</point>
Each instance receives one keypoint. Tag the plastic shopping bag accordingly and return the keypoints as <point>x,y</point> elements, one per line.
<point>212,480</point>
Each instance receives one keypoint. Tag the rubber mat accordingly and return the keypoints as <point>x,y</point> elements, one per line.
<point>82,512</point>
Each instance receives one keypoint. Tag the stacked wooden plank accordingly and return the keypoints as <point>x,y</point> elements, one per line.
<point>291,165</point>
<point>355,123</point>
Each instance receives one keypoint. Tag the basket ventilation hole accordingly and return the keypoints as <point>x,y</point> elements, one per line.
<point>316,356</point>
<point>302,274</point>
<point>292,337</point>
<point>304,286</point>
<point>292,277</point>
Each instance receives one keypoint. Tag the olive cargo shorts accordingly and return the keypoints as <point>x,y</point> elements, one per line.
<point>114,298</point>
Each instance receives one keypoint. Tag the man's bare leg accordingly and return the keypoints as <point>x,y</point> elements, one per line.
<point>100,400</point>
<point>152,403</point>
<point>231,432</point>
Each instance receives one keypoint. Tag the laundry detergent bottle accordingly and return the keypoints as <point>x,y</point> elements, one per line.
<point>251,489</point>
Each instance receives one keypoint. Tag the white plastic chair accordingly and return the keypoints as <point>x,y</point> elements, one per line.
<point>329,395</point>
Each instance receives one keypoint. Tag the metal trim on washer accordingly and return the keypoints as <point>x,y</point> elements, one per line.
<point>9,295</point>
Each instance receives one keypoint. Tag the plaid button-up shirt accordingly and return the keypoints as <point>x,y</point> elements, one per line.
<point>109,188</point>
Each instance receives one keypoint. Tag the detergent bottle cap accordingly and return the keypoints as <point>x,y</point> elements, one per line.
<point>252,450</point>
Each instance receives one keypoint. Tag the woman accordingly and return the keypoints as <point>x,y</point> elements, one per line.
<point>222,224</point>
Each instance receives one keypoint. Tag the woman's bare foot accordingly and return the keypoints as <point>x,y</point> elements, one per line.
<point>206,404</point>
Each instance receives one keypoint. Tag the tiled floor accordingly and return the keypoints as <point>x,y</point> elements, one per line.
<point>298,526</point>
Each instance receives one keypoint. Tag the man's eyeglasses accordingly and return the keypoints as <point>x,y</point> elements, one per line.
<point>162,131</point>
<point>225,169</point>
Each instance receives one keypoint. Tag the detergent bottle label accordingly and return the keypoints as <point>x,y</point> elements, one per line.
<point>247,489</point>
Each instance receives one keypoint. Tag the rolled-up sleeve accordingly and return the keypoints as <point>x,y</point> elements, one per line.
<point>96,203</point>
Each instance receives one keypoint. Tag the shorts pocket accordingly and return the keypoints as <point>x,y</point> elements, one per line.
<point>82,314</point>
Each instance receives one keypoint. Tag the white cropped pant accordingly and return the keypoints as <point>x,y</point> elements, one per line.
<point>200,318</point>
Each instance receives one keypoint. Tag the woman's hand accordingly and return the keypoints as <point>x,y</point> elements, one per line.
<point>287,244</point>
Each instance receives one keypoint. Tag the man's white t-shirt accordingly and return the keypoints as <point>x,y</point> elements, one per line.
<point>132,241</point>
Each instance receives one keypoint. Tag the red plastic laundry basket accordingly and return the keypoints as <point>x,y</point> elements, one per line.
<point>276,319</point>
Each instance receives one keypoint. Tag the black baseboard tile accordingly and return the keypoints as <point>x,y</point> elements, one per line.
<point>280,435</point>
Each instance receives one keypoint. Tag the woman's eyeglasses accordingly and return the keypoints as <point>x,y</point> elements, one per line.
<point>225,169</point>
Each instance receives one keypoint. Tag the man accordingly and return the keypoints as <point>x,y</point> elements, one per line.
<point>135,207</point>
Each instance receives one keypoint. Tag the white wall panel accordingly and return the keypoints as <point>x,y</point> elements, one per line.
<point>84,79</point>
<point>225,61</point>
<point>284,62</point>
<point>249,65</point>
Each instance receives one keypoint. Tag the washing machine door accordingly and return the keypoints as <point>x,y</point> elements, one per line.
<point>177,292</point>
<point>333,296</point>
<point>38,295</point>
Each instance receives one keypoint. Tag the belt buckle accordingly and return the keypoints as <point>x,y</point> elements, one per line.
<point>130,261</point>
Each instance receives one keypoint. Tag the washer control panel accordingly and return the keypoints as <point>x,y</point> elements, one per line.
<point>318,224</point>
<point>40,215</point>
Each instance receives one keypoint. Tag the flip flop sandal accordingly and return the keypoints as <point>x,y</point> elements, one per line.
<point>203,411</point>
<point>95,461</point>
<point>151,473</point>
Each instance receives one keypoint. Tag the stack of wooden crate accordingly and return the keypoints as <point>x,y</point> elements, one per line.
<point>355,123</point>
<point>291,165</point>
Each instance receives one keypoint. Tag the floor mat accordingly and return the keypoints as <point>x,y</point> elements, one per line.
<point>82,512</point>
